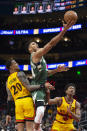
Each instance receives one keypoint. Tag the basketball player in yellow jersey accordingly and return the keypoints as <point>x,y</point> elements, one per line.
<point>68,109</point>
<point>18,89</point>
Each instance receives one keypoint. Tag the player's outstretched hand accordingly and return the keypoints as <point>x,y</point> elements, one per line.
<point>62,68</point>
<point>8,119</point>
<point>68,24</point>
<point>49,86</point>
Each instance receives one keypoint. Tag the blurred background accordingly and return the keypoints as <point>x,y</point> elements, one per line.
<point>40,21</point>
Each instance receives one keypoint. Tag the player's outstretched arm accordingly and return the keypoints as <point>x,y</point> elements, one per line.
<point>22,77</point>
<point>77,115</point>
<point>58,69</point>
<point>56,100</point>
<point>37,55</point>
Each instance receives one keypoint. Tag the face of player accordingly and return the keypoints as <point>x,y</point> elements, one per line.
<point>14,65</point>
<point>33,47</point>
<point>70,91</point>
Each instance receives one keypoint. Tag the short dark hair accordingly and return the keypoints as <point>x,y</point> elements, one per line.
<point>8,63</point>
<point>70,84</point>
<point>28,44</point>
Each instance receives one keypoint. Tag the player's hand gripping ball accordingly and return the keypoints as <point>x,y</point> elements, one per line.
<point>70,15</point>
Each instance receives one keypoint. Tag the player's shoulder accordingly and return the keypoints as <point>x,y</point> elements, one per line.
<point>20,73</point>
<point>59,99</point>
<point>32,53</point>
<point>36,56</point>
<point>78,104</point>
<point>39,50</point>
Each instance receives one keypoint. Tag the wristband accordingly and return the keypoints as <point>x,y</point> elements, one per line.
<point>42,86</point>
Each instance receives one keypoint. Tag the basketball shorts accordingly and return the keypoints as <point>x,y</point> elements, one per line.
<point>57,126</point>
<point>24,109</point>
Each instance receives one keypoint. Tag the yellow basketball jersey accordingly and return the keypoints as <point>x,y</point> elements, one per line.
<point>15,86</point>
<point>62,115</point>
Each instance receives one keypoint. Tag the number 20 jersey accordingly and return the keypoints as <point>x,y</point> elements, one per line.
<point>15,86</point>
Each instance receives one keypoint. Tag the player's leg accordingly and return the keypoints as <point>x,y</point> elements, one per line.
<point>19,115</point>
<point>29,125</point>
<point>40,128</point>
<point>38,118</point>
<point>29,113</point>
<point>20,126</point>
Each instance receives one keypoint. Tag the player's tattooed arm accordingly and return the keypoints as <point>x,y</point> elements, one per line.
<point>9,98</point>
<point>22,77</point>
<point>25,82</point>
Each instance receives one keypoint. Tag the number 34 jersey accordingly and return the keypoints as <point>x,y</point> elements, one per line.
<point>15,86</point>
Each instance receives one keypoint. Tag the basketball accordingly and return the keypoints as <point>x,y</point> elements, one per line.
<point>70,15</point>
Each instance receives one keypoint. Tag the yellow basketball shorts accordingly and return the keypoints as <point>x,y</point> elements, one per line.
<point>57,126</point>
<point>24,109</point>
